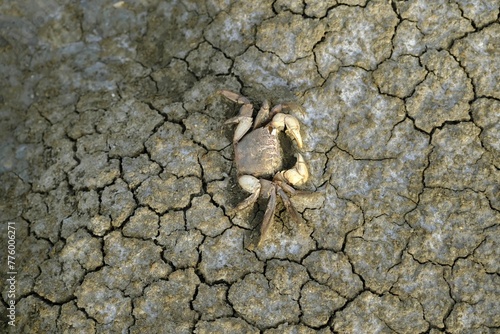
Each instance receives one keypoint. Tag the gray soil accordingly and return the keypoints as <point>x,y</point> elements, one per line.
<point>117,171</point>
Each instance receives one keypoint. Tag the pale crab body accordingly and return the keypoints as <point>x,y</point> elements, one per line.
<point>259,156</point>
<point>266,160</point>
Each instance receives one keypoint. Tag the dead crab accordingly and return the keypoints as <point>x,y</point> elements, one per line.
<point>258,156</point>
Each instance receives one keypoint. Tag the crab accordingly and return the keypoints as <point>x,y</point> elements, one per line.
<point>259,160</point>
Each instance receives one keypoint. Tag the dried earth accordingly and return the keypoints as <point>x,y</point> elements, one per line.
<point>117,171</point>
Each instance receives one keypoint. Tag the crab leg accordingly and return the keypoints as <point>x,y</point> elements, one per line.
<point>244,119</point>
<point>280,180</point>
<point>292,126</point>
<point>289,206</point>
<point>268,215</point>
<point>235,97</point>
<point>262,115</point>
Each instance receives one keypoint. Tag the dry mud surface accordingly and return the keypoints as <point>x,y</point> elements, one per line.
<point>117,172</point>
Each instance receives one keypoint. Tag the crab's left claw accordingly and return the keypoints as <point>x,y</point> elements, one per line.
<point>297,175</point>
<point>292,126</point>
<point>252,185</point>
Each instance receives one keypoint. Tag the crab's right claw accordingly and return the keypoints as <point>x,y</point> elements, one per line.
<point>280,121</point>
<point>293,129</point>
<point>299,174</point>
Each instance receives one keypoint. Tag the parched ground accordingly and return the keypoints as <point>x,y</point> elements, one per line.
<point>117,171</point>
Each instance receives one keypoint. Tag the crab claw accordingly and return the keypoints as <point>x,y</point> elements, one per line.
<point>292,126</point>
<point>299,174</point>
<point>252,185</point>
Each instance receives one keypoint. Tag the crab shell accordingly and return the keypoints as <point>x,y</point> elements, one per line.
<point>259,153</point>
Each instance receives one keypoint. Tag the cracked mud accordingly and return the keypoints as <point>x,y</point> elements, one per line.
<point>117,170</point>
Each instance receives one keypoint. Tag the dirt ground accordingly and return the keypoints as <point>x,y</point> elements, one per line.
<point>118,185</point>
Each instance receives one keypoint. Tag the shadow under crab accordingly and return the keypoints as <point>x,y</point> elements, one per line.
<point>259,156</point>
